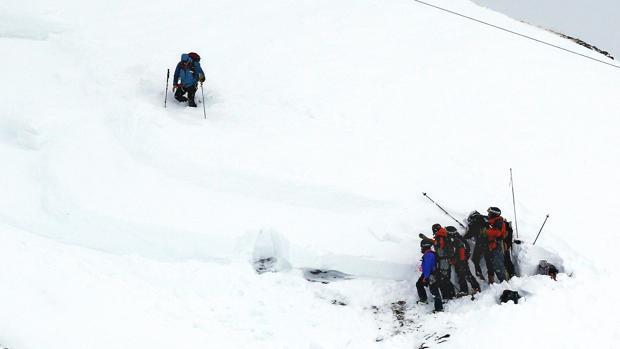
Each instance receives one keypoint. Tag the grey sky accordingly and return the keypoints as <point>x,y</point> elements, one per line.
<point>596,22</point>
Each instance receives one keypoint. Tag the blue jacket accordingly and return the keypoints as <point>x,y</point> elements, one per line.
<point>428,264</point>
<point>187,75</point>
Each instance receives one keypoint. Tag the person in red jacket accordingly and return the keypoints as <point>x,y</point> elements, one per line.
<point>444,250</point>
<point>496,233</point>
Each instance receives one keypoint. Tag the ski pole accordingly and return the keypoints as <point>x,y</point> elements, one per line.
<point>541,228</point>
<point>444,211</point>
<point>204,111</point>
<point>167,78</point>
<point>514,207</point>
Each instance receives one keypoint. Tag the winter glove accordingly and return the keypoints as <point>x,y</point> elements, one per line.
<point>425,282</point>
<point>175,86</point>
<point>201,78</point>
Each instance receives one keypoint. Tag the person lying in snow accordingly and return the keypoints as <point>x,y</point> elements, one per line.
<point>186,77</point>
<point>428,277</point>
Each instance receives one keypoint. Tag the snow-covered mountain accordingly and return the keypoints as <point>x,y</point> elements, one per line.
<point>128,225</point>
<point>593,21</point>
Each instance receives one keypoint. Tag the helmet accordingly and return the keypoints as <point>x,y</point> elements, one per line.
<point>475,215</point>
<point>425,244</point>
<point>494,211</point>
<point>436,227</point>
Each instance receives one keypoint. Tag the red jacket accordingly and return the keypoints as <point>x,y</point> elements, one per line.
<point>495,231</point>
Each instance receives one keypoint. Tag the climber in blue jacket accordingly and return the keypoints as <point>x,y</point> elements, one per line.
<point>429,266</point>
<point>186,77</point>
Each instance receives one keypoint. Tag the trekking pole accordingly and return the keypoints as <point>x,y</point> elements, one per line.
<point>204,111</point>
<point>444,211</point>
<point>514,207</point>
<point>166,98</point>
<point>540,230</point>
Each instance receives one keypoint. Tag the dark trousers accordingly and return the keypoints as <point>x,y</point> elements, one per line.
<point>434,291</point>
<point>443,275</point>
<point>445,285</point>
<point>497,260</point>
<point>482,250</point>
<point>179,94</point>
<point>510,268</point>
<point>464,275</point>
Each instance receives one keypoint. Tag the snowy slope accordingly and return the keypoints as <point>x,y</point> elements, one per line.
<point>325,122</point>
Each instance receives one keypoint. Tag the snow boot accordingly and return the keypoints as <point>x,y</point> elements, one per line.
<point>179,95</point>
<point>422,301</point>
<point>192,103</point>
<point>438,305</point>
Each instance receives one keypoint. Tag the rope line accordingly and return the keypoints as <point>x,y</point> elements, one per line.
<point>515,33</point>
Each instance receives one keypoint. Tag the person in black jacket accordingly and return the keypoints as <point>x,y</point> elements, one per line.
<point>476,230</point>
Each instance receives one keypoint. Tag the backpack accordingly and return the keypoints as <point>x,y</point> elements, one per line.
<point>194,56</point>
<point>450,246</point>
<point>546,268</point>
<point>509,295</point>
<point>466,246</point>
<point>458,243</point>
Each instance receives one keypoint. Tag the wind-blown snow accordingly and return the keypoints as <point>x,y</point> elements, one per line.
<point>127,225</point>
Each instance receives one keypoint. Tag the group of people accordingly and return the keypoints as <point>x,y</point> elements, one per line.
<point>448,249</point>
<point>187,75</point>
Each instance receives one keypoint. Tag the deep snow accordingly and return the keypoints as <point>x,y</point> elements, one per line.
<point>127,225</point>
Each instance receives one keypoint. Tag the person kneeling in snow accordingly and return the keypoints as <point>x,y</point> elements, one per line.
<point>186,77</point>
<point>429,266</point>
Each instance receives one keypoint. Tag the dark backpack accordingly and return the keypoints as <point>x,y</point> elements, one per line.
<point>450,246</point>
<point>466,246</point>
<point>546,268</point>
<point>509,295</point>
<point>194,56</point>
<point>458,242</point>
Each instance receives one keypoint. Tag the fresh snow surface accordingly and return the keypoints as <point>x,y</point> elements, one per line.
<point>127,225</point>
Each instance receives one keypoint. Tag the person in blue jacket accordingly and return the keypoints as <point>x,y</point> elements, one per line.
<point>186,77</point>
<point>429,265</point>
